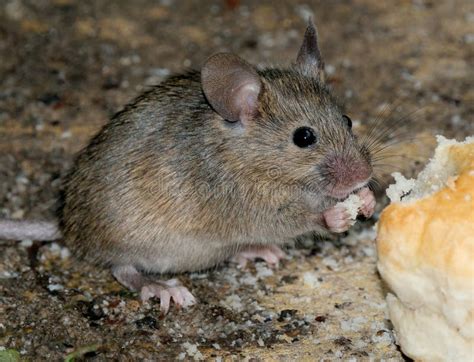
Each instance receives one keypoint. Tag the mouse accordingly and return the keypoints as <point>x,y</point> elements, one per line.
<point>229,162</point>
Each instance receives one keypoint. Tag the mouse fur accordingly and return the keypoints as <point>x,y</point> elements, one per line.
<point>168,185</point>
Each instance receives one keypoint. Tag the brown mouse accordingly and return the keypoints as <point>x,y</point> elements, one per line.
<point>228,162</point>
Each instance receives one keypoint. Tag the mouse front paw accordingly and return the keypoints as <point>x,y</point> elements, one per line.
<point>337,219</point>
<point>271,254</point>
<point>368,207</point>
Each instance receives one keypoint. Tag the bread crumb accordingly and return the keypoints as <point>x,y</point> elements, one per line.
<point>352,204</point>
<point>400,188</point>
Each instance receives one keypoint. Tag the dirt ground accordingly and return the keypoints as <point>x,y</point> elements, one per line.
<point>67,66</point>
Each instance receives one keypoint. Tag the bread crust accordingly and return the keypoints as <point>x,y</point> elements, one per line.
<point>426,256</point>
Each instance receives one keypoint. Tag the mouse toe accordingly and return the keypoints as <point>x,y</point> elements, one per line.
<point>166,291</point>
<point>271,254</point>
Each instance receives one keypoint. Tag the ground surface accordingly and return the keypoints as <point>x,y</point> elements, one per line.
<point>67,66</point>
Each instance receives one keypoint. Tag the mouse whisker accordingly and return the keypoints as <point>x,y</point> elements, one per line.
<point>374,184</point>
<point>406,137</point>
<point>391,130</point>
<point>387,166</point>
<point>386,113</point>
<point>384,147</point>
<point>389,156</point>
<point>380,121</point>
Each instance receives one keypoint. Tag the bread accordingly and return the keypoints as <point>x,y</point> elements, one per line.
<point>352,204</point>
<point>425,246</point>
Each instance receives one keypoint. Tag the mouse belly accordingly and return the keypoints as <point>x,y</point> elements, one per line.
<point>176,255</point>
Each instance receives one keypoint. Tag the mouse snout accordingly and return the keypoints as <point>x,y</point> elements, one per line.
<point>344,174</point>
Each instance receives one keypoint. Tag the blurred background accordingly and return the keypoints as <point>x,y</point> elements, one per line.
<point>67,66</point>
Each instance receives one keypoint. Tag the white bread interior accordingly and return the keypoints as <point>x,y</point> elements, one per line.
<point>425,246</point>
<point>352,204</point>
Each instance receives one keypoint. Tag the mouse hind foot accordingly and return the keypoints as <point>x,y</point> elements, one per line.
<point>148,287</point>
<point>271,254</point>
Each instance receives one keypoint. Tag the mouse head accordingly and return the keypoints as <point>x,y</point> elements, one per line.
<point>284,125</point>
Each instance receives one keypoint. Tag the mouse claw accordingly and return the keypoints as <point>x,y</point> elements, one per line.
<point>168,291</point>
<point>271,254</point>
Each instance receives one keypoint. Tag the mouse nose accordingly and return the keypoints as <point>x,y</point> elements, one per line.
<point>347,173</point>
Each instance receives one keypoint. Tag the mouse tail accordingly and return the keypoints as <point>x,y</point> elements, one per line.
<point>29,230</point>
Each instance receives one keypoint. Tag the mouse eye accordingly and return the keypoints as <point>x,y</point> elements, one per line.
<point>304,137</point>
<point>348,121</point>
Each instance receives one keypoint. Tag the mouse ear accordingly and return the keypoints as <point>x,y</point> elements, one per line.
<point>231,85</point>
<point>309,59</point>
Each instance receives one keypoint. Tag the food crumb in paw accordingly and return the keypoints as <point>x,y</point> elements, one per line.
<point>352,204</point>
